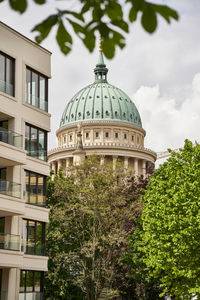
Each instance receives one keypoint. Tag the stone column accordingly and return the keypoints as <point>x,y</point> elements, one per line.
<point>59,164</point>
<point>53,167</point>
<point>125,162</point>
<point>102,157</point>
<point>136,166</point>
<point>144,168</point>
<point>114,161</point>
<point>67,165</point>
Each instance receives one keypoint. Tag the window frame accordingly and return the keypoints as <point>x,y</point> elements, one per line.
<point>46,100</point>
<point>35,237</point>
<point>29,185</point>
<point>13,71</point>
<point>33,283</point>
<point>29,141</point>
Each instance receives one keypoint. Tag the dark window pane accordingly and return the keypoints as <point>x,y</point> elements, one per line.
<point>2,225</point>
<point>37,281</point>
<point>9,76</point>
<point>27,138</point>
<point>29,281</point>
<point>28,86</point>
<point>35,89</point>
<point>2,73</point>
<point>34,144</point>
<point>33,188</point>
<point>31,237</point>
<point>22,281</point>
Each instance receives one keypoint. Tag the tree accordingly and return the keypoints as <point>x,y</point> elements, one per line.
<point>92,212</point>
<point>171,223</point>
<point>105,18</point>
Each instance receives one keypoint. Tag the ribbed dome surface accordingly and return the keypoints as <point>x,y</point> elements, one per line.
<point>100,101</point>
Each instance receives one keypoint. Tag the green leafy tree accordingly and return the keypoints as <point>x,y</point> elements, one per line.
<point>92,212</point>
<point>171,223</point>
<point>105,18</point>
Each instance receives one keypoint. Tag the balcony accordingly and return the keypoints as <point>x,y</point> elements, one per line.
<point>35,199</point>
<point>10,137</point>
<point>31,296</point>
<point>33,249</point>
<point>6,88</point>
<point>39,154</point>
<point>37,102</point>
<point>9,242</point>
<point>10,188</point>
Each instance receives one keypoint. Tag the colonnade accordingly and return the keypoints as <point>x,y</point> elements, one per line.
<point>138,165</point>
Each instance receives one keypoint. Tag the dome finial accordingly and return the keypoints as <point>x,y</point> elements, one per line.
<point>100,45</point>
<point>100,70</point>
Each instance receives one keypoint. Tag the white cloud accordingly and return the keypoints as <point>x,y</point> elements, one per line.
<point>167,124</point>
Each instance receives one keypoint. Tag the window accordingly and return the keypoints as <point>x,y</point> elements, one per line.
<point>97,134</point>
<point>64,139</point>
<point>116,135</point>
<point>35,188</point>
<point>7,71</point>
<point>36,142</point>
<point>87,135</point>
<point>132,138</point>
<point>32,282</point>
<point>36,89</point>
<point>33,237</point>
<point>125,136</point>
<point>70,138</point>
<point>106,134</point>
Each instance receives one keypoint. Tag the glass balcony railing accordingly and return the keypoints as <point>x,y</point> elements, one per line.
<point>10,188</point>
<point>37,102</point>
<point>35,199</point>
<point>10,137</point>
<point>32,248</point>
<point>40,154</point>
<point>31,296</point>
<point>6,88</point>
<point>9,242</point>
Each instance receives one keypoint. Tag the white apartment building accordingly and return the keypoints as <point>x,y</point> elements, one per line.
<point>24,124</point>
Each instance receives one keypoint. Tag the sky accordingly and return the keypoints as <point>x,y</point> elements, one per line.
<point>160,72</point>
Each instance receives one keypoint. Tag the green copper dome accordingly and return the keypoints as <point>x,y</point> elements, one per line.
<point>100,101</point>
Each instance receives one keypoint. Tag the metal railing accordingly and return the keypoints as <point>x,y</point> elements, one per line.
<point>37,102</point>
<point>31,296</point>
<point>10,137</point>
<point>6,88</point>
<point>9,242</point>
<point>10,188</point>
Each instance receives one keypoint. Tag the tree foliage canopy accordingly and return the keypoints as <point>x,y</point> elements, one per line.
<point>171,223</point>
<point>92,212</point>
<point>105,18</point>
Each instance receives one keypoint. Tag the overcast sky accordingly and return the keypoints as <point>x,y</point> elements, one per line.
<point>160,72</point>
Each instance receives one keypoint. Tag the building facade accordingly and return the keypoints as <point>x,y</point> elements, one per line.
<point>109,124</point>
<point>24,124</point>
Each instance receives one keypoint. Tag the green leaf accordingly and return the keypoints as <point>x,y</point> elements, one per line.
<point>149,19</point>
<point>76,26</point>
<point>1,1</point>
<point>40,1</point>
<point>76,15</point>
<point>121,24</point>
<point>132,14</point>
<point>89,40</point>
<point>114,11</point>
<point>18,5</point>
<point>63,38</point>
<point>108,48</point>
<point>45,27</point>
<point>86,7</point>
<point>166,12</point>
